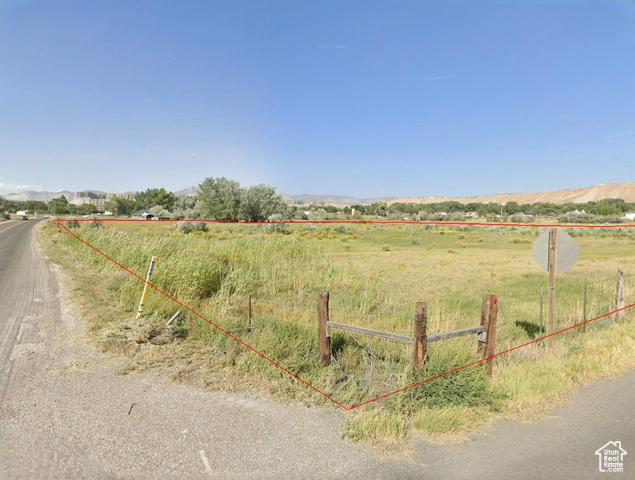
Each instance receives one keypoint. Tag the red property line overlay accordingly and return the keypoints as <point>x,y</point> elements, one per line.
<point>61,223</point>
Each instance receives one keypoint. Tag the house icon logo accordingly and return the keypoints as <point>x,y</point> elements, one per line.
<point>611,457</point>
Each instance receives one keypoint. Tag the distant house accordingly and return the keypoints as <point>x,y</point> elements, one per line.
<point>630,216</point>
<point>144,214</point>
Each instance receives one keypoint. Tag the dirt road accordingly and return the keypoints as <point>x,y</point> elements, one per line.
<point>65,413</point>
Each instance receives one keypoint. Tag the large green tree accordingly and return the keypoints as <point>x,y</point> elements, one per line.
<point>224,199</point>
<point>155,196</point>
<point>185,207</point>
<point>121,206</point>
<point>6,205</point>
<point>30,206</point>
<point>512,208</point>
<point>220,198</point>
<point>260,202</point>
<point>59,206</point>
<point>87,209</point>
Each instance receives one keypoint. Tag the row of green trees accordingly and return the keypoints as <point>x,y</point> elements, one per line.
<point>603,207</point>
<point>152,197</point>
<point>120,205</point>
<point>218,198</point>
<point>12,206</point>
<point>56,206</point>
<point>224,199</point>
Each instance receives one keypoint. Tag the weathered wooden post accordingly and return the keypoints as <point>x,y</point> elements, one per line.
<point>420,348</point>
<point>324,335</point>
<point>487,339</point>
<point>620,301</point>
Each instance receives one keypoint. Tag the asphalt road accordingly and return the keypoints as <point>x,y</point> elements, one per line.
<point>66,413</point>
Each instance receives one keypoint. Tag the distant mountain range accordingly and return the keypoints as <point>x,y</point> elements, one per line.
<point>625,191</point>
<point>41,196</point>
<point>333,200</point>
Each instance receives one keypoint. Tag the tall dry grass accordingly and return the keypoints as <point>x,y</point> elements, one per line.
<point>373,286</point>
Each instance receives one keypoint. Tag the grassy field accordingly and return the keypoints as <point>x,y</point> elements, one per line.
<point>375,274</point>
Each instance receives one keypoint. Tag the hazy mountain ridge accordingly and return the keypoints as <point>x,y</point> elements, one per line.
<point>334,200</point>
<point>186,192</point>
<point>39,196</point>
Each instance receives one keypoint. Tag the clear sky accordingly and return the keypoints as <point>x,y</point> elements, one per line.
<point>363,98</point>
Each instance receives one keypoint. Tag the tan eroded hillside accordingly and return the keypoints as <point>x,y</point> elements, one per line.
<point>625,191</point>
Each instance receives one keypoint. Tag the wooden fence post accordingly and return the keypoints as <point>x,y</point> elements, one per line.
<point>620,301</point>
<point>420,349</point>
<point>487,339</point>
<point>324,335</point>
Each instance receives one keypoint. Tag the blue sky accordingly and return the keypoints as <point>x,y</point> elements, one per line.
<point>391,98</point>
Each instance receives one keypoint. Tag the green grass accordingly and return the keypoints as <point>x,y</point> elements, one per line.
<point>375,274</point>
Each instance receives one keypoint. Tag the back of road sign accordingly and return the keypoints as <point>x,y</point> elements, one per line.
<point>566,251</point>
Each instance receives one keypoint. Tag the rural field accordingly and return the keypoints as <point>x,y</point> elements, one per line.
<point>374,274</point>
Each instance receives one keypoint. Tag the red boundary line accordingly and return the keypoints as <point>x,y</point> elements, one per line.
<point>61,223</point>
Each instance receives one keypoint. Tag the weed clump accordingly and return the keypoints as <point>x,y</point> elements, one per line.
<point>276,226</point>
<point>94,223</point>
<point>468,387</point>
<point>189,227</point>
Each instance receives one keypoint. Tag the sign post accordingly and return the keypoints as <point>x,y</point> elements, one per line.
<point>556,252</point>
<point>553,239</point>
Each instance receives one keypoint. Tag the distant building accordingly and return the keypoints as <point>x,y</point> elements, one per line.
<point>98,199</point>
<point>630,216</point>
<point>143,214</point>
